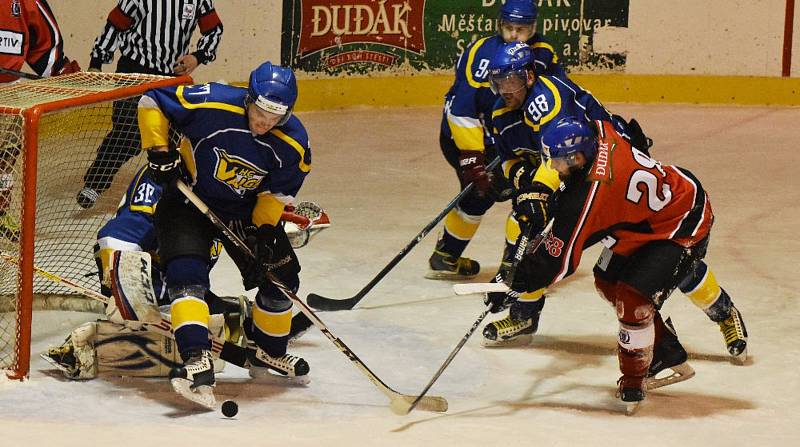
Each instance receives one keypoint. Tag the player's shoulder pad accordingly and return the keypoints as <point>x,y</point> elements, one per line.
<point>212,96</point>
<point>543,102</point>
<point>474,62</point>
<point>294,138</point>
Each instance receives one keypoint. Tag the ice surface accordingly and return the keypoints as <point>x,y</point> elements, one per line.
<point>381,177</point>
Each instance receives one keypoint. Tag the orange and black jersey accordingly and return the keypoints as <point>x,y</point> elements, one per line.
<point>29,33</point>
<point>624,199</point>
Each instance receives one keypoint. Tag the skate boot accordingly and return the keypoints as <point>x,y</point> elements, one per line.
<point>287,366</point>
<point>87,197</point>
<point>631,390</point>
<point>668,355</point>
<point>195,379</point>
<point>735,335</point>
<point>445,266</point>
<point>509,332</point>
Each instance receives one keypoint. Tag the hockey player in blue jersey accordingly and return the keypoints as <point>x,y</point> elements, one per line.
<point>529,104</point>
<point>248,158</point>
<point>132,229</point>
<point>465,139</point>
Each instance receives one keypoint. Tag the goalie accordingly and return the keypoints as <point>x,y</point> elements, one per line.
<point>118,345</point>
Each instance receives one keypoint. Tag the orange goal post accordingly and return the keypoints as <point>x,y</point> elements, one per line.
<point>50,132</point>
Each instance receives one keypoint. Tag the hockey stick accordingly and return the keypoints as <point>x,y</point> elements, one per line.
<point>471,288</point>
<point>20,74</point>
<point>401,408</point>
<point>320,302</point>
<point>221,348</point>
<point>431,403</point>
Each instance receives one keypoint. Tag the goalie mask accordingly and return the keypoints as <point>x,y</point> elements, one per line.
<point>273,89</point>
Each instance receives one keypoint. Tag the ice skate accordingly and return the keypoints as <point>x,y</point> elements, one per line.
<point>87,197</point>
<point>445,266</point>
<point>670,357</point>
<point>284,369</point>
<point>631,390</point>
<point>195,379</point>
<point>509,332</point>
<point>735,335</point>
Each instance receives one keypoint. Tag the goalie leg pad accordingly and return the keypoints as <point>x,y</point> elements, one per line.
<point>132,286</point>
<point>121,351</point>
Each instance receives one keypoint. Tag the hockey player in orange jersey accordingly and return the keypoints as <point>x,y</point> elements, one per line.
<point>28,34</point>
<point>655,220</point>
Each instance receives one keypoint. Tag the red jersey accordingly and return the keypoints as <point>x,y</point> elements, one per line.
<point>29,33</point>
<point>626,200</point>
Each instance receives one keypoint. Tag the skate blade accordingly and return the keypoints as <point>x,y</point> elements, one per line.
<point>632,407</point>
<point>68,372</point>
<point>522,340</point>
<point>443,274</point>
<point>202,395</point>
<point>739,359</point>
<point>266,375</point>
<point>679,374</point>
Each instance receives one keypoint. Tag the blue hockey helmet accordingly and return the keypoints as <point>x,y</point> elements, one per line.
<point>273,88</point>
<point>569,136</point>
<point>519,11</point>
<point>508,68</point>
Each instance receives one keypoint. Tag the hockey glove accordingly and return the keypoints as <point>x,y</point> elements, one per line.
<point>521,174</point>
<point>70,66</point>
<point>473,170</point>
<point>261,241</point>
<point>500,300</point>
<point>530,206</point>
<point>165,165</point>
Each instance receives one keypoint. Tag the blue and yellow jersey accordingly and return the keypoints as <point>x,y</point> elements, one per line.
<point>132,228</point>
<point>469,102</point>
<point>239,175</point>
<point>554,97</point>
<point>518,132</point>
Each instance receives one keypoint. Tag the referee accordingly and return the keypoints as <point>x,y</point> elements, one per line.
<point>153,37</point>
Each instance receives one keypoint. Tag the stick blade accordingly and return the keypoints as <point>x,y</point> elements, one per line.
<point>401,404</point>
<point>479,287</point>
<point>320,302</point>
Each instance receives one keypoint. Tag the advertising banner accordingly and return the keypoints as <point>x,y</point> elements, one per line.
<point>363,37</point>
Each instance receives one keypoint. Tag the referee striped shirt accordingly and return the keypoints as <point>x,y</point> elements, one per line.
<point>155,33</point>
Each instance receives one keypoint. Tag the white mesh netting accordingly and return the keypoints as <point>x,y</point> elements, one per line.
<point>88,148</point>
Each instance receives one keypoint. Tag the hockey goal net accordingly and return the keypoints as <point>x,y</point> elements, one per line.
<point>50,134</point>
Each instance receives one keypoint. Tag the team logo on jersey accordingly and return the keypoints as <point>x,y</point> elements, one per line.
<point>15,9</point>
<point>237,173</point>
<point>188,11</point>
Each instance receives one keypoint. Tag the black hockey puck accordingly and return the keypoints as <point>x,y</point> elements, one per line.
<point>230,408</point>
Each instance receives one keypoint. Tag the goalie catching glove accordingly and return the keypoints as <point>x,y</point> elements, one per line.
<point>261,241</point>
